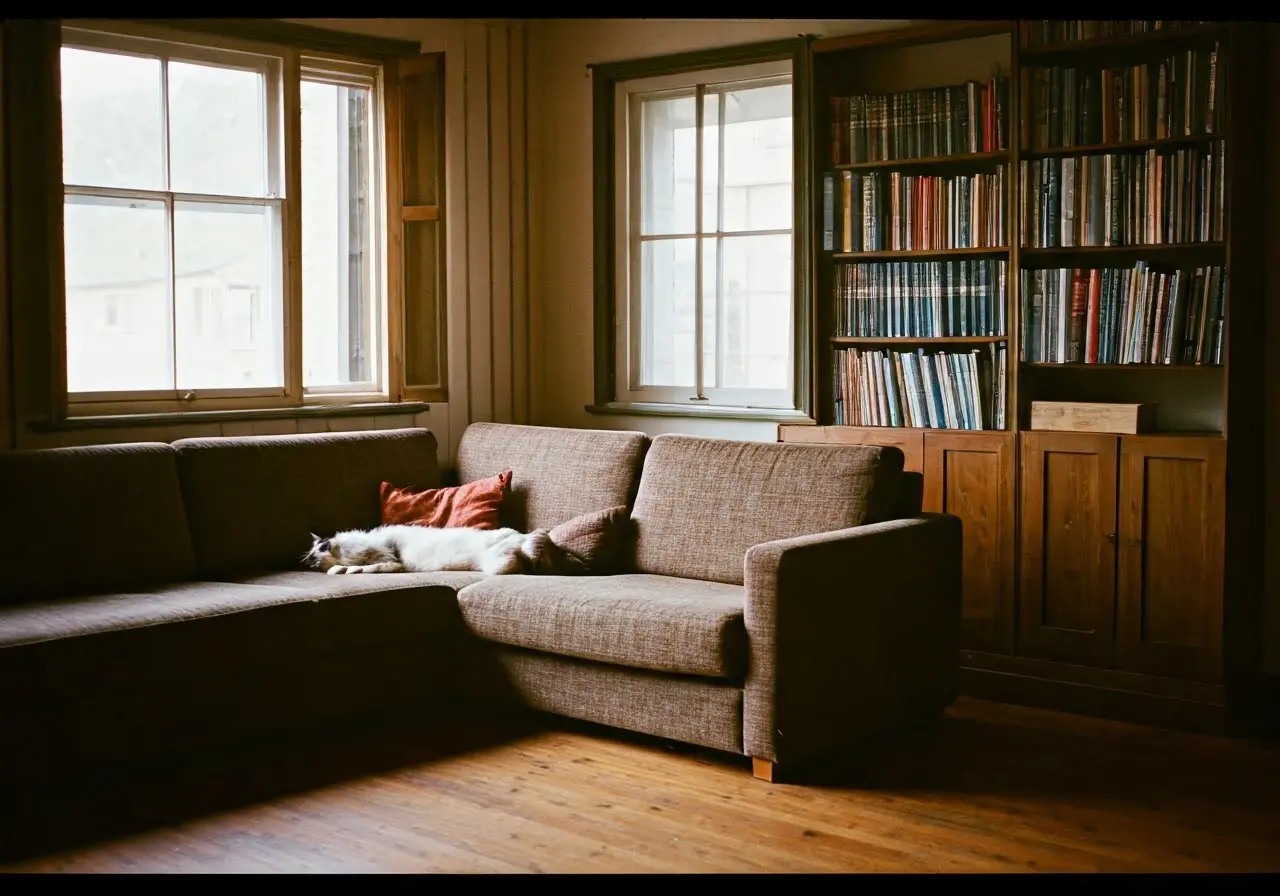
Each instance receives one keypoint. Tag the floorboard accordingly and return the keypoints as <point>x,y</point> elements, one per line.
<point>989,788</point>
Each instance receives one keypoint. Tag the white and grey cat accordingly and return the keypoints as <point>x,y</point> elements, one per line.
<point>422,549</point>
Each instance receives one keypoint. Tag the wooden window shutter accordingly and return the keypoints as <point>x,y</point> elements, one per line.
<point>415,223</point>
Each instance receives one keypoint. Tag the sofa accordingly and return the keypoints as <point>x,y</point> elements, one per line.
<point>782,602</point>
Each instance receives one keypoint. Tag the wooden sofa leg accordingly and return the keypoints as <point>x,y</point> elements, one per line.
<point>762,769</point>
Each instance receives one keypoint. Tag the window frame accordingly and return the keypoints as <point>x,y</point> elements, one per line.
<point>284,68</point>
<point>613,233</point>
<point>36,257</point>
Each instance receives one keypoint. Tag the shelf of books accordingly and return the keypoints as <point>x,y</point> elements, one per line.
<point>915,246</point>
<point>1122,196</point>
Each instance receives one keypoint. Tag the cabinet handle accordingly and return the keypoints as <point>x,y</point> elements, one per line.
<point>1111,537</point>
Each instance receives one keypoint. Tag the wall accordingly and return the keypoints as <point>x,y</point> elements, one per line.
<point>560,147</point>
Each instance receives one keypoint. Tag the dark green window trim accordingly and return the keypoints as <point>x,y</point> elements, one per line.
<point>605,78</point>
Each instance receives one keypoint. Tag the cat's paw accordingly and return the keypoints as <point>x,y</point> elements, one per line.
<point>336,570</point>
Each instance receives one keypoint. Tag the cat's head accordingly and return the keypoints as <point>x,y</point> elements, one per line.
<point>322,554</point>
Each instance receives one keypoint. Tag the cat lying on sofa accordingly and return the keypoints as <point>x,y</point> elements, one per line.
<point>399,548</point>
<point>589,544</point>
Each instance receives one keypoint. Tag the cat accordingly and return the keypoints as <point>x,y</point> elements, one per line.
<point>388,549</point>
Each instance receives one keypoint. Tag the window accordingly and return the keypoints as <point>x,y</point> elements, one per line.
<point>341,311</point>
<point>225,209</point>
<point>705,286</point>
<point>172,173</point>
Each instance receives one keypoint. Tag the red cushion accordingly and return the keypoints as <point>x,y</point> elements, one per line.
<point>471,506</point>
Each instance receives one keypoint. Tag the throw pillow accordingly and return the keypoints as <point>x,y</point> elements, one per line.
<point>590,544</point>
<point>471,506</point>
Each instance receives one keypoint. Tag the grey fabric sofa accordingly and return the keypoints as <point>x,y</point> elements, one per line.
<point>783,601</point>
<point>780,602</point>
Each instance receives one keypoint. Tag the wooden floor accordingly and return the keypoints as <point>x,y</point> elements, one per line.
<point>989,788</point>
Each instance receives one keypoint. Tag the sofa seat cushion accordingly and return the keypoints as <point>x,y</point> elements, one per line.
<point>642,621</point>
<point>338,586</point>
<point>82,647</point>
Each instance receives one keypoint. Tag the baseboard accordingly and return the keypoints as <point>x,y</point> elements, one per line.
<point>1157,710</point>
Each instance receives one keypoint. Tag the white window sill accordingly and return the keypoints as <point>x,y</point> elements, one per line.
<point>706,412</point>
<point>366,409</point>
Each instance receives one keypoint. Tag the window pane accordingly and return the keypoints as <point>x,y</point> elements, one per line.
<point>228,307</point>
<point>111,120</point>
<point>338,323</point>
<point>712,311</point>
<point>711,107</point>
<point>667,313</point>
<point>667,165</point>
<point>758,168</point>
<point>217,130</point>
<point>119,335</point>
<point>755,294</point>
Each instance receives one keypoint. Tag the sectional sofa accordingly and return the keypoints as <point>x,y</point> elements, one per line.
<point>781,602</point>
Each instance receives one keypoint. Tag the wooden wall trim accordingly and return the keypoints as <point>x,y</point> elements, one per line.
<point>304,37</point>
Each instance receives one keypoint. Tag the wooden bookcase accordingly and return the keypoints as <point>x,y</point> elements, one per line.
<point>1117,575</point>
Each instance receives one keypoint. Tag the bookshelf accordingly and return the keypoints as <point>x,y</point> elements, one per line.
<point>1012,212</point>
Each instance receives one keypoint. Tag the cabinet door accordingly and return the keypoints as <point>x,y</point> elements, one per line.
<point>1066,602</point>
<point>972,476</point>
<point>1172,521</point>
<point>911,441</point>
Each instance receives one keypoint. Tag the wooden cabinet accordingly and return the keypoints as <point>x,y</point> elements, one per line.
<point>1120,562</point>
<point>1068,547</point>
<point>1171,532</point>
<point>972,476</point>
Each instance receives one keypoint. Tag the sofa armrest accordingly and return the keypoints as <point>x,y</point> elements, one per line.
<point>851,633</point>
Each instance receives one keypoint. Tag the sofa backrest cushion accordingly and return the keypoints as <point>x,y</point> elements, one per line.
<point>90,519</point>
<point>253,501</point>
<point>703,502</point>
<point>556,474</point>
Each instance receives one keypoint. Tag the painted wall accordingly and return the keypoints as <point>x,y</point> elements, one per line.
<point>560,147</point>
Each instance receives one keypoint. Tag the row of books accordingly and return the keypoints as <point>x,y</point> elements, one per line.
<point>1125,199</point>
<point>888,210</point>
<point>924,389</point>
<point>963,297</point>
<point>1179,96</point>
<point>1139,315</point>
<point>1039,33</point>
<point>913,124</point>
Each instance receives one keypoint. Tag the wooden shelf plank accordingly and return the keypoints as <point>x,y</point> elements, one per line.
<point>1129,146</point>
<point>1049,365</point>
<point>976,432</point>
<point>917,340</point>
<point>1147,249</point>
<point>927,161</point>
<point>898,254</point>
<point>1033,54</point>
